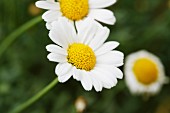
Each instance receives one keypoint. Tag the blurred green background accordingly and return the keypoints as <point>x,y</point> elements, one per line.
<point>25,70</point>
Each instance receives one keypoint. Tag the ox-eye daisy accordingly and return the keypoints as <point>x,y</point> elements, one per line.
<point>84,55</point>
<point>77,10</point>
<point>144,73</point>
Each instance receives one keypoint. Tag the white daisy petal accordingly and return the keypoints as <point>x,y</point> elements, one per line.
<point>96,82</point>
<point>56,57</point>
<point>101,3</point>
<point>117,53</point>
<point>106,82</point>
<point>51,0</point>
<point>58,36</point>
<point>99,38</point>
<point>77,74</point>
<point>86,33</point>
<point>117,73</point>
<point>111,58</point>
<point>51,15</point>
<point>64,74</point>
<point>81,25</point>
<point>106,47</point>
<point>64,78</point>
<point>56,49</point>
<point>68,29</point>
<point>48,25</point>
<point>48,5</point>
<point>86,81</point>
<point>63,68</point>
<point>103,15</point>
<point>110,73</point>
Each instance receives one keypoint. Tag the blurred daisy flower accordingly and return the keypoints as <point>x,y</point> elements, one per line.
<point>84,55</point>
<point>77,10</point>
<point>144,73</point>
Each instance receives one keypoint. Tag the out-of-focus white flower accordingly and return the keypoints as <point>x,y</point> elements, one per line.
<point>84,55</point>
<point>144,73</point>
<point>80,104</point>
<point>77,11</point>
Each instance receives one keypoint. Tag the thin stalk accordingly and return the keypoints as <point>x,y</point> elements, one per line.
<point>35,98</point>
<point>14,35</point>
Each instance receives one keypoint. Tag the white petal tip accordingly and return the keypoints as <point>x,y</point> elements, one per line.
<point>39,4</point>
<point>36,3</point>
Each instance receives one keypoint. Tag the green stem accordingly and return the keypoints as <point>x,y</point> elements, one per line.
<point>13,36</point>
<point>33,99</point>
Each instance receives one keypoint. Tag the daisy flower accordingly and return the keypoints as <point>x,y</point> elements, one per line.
<point>144,73</point>
<point>84,55</point>
<point>77,10</point>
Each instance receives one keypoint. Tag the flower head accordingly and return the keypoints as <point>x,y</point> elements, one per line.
<point>144,73</point>
<point>77,11</point>
<point>84,55</point>
<point>80,104</point>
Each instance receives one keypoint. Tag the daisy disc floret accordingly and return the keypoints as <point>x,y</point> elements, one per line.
<point>145,70</point>
<point>74,9</point>
<point>84,55</point>
<point>81,56</point>
<point>77,11</point>
<point>144,73</point>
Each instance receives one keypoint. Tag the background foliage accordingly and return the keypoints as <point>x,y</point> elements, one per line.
<point>24,68</point>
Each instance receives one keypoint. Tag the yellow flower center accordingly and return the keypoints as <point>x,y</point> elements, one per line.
<point>74,9</point>
<point>145,71</point>
<point>81,56</point>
